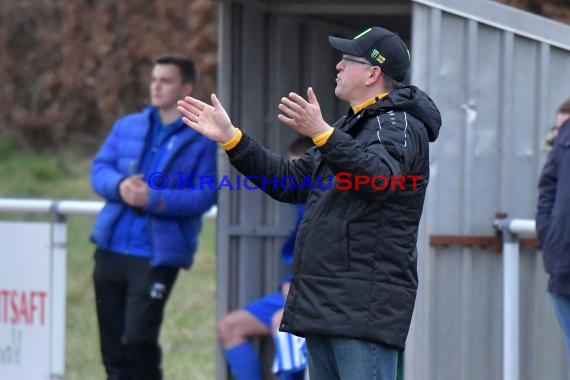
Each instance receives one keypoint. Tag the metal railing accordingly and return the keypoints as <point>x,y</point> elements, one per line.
<point>61,207</point>
<point>511,230</point>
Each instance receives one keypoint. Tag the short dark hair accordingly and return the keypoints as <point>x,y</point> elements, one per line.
<point>185,65</point>
<point>391,84</point>
<point>300,145</point>
<point>564,107</point>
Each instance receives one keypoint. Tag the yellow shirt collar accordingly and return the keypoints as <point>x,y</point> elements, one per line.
<point>357,108</point>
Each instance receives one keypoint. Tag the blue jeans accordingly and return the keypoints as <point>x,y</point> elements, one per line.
<point>562,309</point>
<point>338,358</point>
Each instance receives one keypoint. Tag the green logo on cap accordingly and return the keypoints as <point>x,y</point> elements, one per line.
<point>363,33</point>
<point>375,54</point>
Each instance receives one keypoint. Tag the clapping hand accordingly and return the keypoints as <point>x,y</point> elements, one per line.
<point>304,116</point>
<point>211,121</point>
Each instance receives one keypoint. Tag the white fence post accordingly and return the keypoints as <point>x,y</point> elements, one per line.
<point>58,291</point>
<point>510,230</point>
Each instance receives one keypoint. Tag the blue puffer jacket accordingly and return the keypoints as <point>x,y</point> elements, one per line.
<point>174,213</point>
<point>553,214</point>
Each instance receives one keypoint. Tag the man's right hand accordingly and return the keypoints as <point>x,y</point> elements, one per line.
<point>210,121</point>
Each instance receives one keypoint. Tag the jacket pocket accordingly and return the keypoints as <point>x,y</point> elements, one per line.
<point>359,247</point>
<point>556,251</point>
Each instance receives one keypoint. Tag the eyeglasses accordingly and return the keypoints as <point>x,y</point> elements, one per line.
<point>346,60</point>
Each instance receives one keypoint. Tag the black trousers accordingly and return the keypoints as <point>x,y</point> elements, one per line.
<point>130,298</point>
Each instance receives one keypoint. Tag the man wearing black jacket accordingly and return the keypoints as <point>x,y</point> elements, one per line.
<point>355,277</point>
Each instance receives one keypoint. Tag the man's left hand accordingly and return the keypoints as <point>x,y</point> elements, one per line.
<point>303,116</point>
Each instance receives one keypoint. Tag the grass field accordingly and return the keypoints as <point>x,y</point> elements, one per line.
<point>188,334</point>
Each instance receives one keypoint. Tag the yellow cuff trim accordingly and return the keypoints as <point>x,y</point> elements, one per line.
<point>322,139</point>
<point>233,141</point>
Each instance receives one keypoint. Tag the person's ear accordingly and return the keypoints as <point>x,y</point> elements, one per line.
<point>188,89</point>
<point>374,75</point>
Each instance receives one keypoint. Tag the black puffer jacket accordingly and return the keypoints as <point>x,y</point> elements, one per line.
<point>355,257</point>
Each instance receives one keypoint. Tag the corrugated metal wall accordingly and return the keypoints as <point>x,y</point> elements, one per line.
<point>498,75</point>
<point>497,89</point>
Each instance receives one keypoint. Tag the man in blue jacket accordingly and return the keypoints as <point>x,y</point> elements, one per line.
<point>553,220</point>
<point>148,171</point>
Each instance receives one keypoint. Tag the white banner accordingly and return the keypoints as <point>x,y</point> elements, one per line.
<point>26,301</point>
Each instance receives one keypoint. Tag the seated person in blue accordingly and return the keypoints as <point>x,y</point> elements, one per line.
<point>262,316</point>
